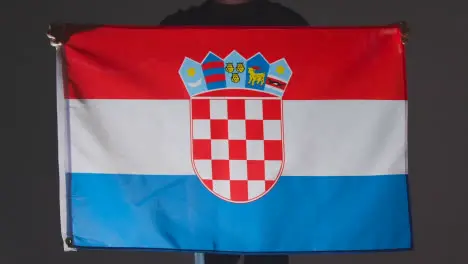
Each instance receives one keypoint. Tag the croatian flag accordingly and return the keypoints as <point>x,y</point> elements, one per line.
<point>217,140</point>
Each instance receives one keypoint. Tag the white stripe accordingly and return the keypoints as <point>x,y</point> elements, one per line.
<point>274,88</point>
<point>322,138</point>
<point>345,137</point>
<point>63,147</point>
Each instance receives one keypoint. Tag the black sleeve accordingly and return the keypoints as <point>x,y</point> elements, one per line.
<point>288,17</point>
<point>294,19</point>
<point>300,21</point>
<point>167,21</point>
<point>175,19</point>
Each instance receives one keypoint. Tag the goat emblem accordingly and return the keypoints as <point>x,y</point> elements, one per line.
<point>256,78</point>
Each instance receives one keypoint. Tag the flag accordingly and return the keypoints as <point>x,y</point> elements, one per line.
<point>216,140</point>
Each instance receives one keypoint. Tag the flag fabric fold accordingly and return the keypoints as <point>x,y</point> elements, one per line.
<point>224,140</point>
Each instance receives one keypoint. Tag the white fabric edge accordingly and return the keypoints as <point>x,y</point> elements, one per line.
<point>63,148</point>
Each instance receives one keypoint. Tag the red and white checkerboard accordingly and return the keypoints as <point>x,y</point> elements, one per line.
<point>237,146</point>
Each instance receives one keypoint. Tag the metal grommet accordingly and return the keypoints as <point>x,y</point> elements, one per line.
<point>69,241</point>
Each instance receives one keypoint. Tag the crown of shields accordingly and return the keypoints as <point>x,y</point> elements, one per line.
<point>236,123</point>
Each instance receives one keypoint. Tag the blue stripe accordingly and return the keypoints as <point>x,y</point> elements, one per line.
<point>212,71</point>
<point>300,214</point>
<point>276,92</point>
<point>216,85</point>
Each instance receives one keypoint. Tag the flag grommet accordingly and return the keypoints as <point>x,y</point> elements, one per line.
<point>69,241</point>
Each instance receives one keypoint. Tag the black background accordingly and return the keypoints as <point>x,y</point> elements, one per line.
<point>437,70</point>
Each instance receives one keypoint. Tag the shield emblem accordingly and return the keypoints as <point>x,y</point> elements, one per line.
<point>237,145</point>
<point>236,116</point>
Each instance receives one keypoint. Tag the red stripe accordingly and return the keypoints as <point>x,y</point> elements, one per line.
<point>133,63</point>
<point>215,78</point>
<point>271,81</point>
<point>213,64</point>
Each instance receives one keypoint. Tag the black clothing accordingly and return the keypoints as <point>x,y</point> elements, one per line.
<point>254,13</point>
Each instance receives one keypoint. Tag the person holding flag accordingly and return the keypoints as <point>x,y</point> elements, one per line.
<point>237,13</point>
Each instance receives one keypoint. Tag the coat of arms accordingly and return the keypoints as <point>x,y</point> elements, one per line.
<point>236,123</point>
